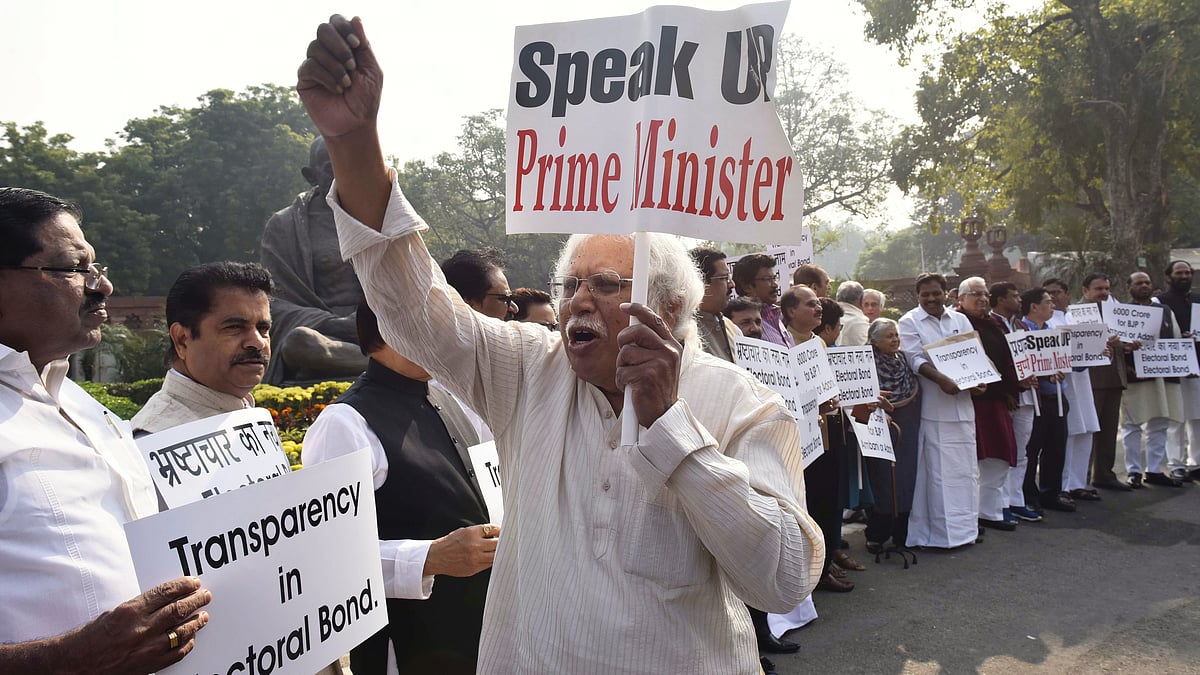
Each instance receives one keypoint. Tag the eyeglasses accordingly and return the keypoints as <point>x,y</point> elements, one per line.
<point>601,285</point>
<point>723,278</point>
<point>92,274</point>
<point>506,297</point>
<point>763,280</point>
<point>977,294</point>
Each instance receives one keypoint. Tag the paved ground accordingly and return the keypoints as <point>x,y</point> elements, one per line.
<point>1113,588</point>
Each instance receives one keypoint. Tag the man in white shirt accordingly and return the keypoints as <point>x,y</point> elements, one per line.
<point>433,520</point>
<point>946,500</point>
<point>219,318</point>
<point>854,321</point>
<point>70,475</point>
<point>615,559</point>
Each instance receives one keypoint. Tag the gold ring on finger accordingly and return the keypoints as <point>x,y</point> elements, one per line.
<point>174,638</point>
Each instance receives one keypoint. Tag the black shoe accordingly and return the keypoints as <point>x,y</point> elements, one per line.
<point>768,666</point>
<point>1195,474</point>
<point>1135,481</point>
<point>1057,503</point>
<point>998,524</point>
<point>1182,475</point>
<point>1112,485</point>
<point>773,645</point>
<point>1161,480</point>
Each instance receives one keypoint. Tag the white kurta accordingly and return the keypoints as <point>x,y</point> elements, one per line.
<point>945,509</point>
<point>613,559</point>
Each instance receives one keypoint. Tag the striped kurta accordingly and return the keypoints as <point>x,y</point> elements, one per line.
<point>613,559</point>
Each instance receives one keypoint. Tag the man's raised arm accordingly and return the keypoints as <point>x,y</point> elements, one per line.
<point>340,84</point>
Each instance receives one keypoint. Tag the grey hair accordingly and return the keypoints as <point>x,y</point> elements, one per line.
<point>878,326</point>
<point>674,278</point>
<point>851,292</point>
<point>965,285</point>
<point>878,294</point>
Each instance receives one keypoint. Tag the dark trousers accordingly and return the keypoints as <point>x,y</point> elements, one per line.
<point>821,497</point>
<point>1104,442</point>
<point>1047,451</point>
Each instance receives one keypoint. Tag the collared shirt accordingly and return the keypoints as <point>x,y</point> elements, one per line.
<point>773,329</point>
<point>181,400</point>
<point>70,478</point>
<point>715,334</point>
<point>854,326</point>
<point>919,328</point>
<point>613,559</point>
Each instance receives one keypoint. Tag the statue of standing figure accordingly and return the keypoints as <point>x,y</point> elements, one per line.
<point>313,332</point>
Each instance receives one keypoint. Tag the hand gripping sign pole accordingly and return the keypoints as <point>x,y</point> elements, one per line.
<point>655,122</point>
<point>641,276</point>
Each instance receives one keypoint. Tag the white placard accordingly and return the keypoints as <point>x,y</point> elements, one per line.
<point>1040,352</point>
<point>1088,341</point>
<point>1088,312</point>
<point>854,369</point>
<point>217,454</point>
<point>1134,322</point>
<point>774,366</point>
<point>814,369</point>
<point>874,437</point>
<point>962,359</point>
<point>293,566</point>
<point>1195,327</point>
<point>661,121</point>
<point>487,472</point>
<point>1166,358</point>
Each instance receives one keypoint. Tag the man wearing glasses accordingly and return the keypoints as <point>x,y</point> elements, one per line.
<point>478,276</point>
<point>754,277</point>
<point>614,559</point>
<point>716,332</point>
<point>70,474</point>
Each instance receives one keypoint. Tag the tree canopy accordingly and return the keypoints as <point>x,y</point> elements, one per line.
<point>1081,111</point>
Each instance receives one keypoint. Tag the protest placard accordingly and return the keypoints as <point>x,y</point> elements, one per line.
<point>1195,327</point>
<point>292,563</point>
<point>1134,322</point>
<point>1088,312</point>
<point>1166,358</point>
<point>813,368</point>
<point>775,367</point>
<point>962,359</point>
<point>1088,342</point>
<point>854,369</point>
<point>874,437</point>
<point>487,471</point>
<point>655,122</point>
<point>661,121</point>
<point>217,454</point>
<point>1040,352</point>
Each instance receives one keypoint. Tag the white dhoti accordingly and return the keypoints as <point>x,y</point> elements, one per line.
<point>992,478</point>
<point>1082,422</point>
<point>1150,406</point>
<point>945,510</point>
<point>1183,438</point>
<point>800,616</point>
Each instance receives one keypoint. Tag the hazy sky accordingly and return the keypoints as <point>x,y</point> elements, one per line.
<point>86,67</point>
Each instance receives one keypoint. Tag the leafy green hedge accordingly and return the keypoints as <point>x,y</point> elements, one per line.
<point>122,406</point>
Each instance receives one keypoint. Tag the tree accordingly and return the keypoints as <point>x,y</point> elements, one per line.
<point>843,148</point>
<point>461,196</point>
<point>212,175</point>
<point>1081,105</point>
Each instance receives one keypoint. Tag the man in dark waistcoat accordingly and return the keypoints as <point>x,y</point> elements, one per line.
<point>433,521</point>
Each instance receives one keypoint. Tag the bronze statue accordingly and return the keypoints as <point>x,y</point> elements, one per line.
<point>313,334</point>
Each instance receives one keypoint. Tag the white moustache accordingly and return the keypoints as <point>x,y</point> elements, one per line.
<point>588,322</point>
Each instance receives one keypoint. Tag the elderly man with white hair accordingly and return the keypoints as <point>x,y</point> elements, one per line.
<point>854,322</point>
<point>873,303</point>
<point>614,559</point>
